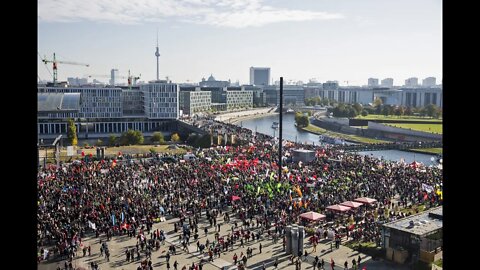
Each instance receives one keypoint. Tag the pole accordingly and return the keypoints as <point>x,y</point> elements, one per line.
<point>280,133</point>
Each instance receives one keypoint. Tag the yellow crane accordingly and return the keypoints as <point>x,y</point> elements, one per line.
<point>55,62</point>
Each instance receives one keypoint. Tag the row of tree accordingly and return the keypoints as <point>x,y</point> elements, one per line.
<point>130,137</point>
<point>319,101</point>
<point>348,110</point>
<point>351,111</point>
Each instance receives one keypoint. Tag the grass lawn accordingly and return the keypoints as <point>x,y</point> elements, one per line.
<point>394,117</point>
<point>432,128</point>
<point>430,150</point>
<point>112,151</point>
<point>318,130</point>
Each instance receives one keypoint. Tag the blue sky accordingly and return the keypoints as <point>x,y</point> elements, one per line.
<point>344,40</point>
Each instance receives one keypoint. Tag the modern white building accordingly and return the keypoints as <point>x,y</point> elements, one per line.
<point>161,100</point>
<point>237,99</point>
<point>93,102</point>
<point>411,82</point>
<point>196,101</point>
<point>100,111</point>
<point>387,82</point>
<point>259,75</point>
<point>429,82</point>
<point>372,82</point>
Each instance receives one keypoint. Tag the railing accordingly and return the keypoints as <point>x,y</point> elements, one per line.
<point>388,146</point>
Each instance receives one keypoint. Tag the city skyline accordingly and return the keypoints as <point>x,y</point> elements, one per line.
<point>326,40</point>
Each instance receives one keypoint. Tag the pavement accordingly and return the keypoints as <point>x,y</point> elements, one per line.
<point>236,117</point>
<point>270,251</point>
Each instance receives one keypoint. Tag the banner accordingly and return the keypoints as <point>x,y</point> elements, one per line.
<point>427,188</point>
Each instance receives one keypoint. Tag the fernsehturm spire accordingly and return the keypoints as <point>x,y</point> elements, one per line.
<point>157,54</point>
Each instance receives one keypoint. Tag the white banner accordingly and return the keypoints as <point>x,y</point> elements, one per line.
<point>70,151</point>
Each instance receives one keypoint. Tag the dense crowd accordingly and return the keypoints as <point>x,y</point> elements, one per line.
<point>110,197</point>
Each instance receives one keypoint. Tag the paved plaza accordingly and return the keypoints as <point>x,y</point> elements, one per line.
<point>270,252</point>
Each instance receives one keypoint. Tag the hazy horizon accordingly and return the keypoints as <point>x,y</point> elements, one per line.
<point>323,39</point>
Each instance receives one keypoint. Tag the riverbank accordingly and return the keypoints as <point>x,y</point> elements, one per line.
<point>237,117</point>
<point>351,138</point>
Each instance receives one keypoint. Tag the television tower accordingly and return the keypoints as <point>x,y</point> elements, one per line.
<point>157,54</point>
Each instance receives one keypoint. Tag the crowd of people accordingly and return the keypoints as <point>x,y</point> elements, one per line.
<point>110,198</point>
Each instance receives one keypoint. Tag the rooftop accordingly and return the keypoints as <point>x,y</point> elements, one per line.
<point>419,224</point>
<point>56,102</point>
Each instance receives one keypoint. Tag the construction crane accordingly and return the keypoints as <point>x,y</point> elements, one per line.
<point>55,62</point>
<point>129,78</point>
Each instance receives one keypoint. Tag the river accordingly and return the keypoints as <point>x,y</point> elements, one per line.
<point>291,133</point>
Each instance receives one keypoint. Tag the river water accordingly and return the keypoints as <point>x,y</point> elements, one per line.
<point>291,133</point>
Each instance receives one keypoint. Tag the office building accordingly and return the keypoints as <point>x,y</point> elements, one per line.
<point>411,82</point>
<point>259,76</point>
<point>387,82</point>
<point>429,82</point>
<point>372,82</point>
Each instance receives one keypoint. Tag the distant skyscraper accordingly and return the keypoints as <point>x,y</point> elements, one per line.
<point>387,82</point>
<point>113,76</point>
<point>411,82</point>
<point>429,82</point>
<point>259,76</point>
<point>372,82</point>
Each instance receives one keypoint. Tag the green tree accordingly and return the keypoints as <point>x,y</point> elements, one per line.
<point>301,119</point>
<point>358,107</point>
<point>131,137</point>
<point>387,110</point>
<point>111,140</point>
<point>72,132</point>
<point>377,102</point>
<point>157,137</point>
<point>432,110</point>
<point>175,137</point>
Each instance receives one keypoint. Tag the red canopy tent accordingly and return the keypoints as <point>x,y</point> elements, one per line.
<point>352,204</point>
<point>235,198</point>
<point>313,216</point>
<point>338,208</point>
<point>365,200</point>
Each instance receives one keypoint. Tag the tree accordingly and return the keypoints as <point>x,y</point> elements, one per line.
<point>408,111</point>
<point>301,119</point>
<point>377,102</point>
<point>72,132</point>
<point>175,137</point>
<point>111,140</point>
<point>386,110</point>
<point>99,142</point>
<point>432,110</point>
<point>157,137</point>
<point>131,137</point>
<point>358,107</point>
<point>364,113</point>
